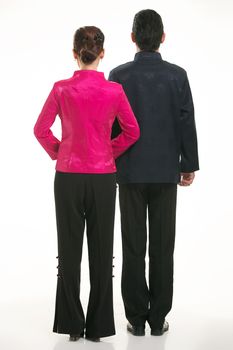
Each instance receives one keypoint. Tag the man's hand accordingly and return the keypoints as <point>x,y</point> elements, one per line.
<point>186,179</point>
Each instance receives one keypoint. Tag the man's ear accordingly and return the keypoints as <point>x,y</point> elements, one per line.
<point>133,37</point>
<point>163,38</point>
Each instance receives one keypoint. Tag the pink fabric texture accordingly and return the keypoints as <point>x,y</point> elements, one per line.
<point>87,105</point>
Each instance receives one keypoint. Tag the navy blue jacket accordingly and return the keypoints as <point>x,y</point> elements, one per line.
<point>161,99</point>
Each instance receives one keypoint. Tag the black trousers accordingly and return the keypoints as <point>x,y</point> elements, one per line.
<point>145,302</point>
<point>81,198</point>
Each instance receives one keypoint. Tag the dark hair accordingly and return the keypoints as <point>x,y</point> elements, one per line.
<point>88,43</point>
<point>148,30</point>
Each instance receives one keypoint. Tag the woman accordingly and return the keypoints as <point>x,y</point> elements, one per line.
<point>85,183</point>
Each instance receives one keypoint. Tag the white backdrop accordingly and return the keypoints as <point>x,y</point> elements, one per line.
<point>36,50</point>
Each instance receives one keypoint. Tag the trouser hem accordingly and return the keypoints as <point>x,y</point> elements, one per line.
<point>100,335</point>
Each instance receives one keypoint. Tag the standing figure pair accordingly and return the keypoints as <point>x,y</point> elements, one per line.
<point>147,172</point>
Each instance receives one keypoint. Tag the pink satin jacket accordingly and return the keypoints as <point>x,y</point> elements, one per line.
<point>87,105</point>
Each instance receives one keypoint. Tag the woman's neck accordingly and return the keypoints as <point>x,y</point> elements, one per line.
<point>92,66</point>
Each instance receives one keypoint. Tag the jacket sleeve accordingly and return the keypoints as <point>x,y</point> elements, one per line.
<point>129,126</point>
<point>44,122</point>
<point>116,129</point>
<point>189,152</point>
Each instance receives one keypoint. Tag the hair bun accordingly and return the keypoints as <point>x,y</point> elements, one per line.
<point>87,55</point>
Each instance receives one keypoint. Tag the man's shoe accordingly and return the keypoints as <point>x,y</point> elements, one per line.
<point>162,330</point>
<point>136,330</point>
<point>96,340</point>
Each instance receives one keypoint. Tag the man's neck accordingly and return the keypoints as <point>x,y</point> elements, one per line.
<point>139,50</point>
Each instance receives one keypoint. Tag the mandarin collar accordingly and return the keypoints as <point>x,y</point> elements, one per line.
<point>88,73</point>
<point>147,55</point>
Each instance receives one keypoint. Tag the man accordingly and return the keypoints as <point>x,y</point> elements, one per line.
<point>165,155</point>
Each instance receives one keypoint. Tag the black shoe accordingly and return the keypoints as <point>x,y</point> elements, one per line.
<point>136,330</point>
<point>162,330</point>
<point>96,340</point>
<point>75,337</point>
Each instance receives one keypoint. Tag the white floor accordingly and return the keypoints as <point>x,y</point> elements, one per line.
<point>27,326</point>
<point>202,313</point>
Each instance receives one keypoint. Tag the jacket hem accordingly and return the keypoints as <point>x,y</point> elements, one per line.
<point>85,171</point>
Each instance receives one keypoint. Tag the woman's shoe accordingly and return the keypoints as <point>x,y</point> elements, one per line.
<point>96,340</point>
<point>75,337</point>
